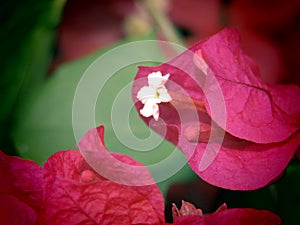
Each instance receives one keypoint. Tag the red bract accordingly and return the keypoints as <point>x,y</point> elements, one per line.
<point>188,214</point>
<point>68,191</point>
<point>21,190</point>
<point>259,122</point>
<point>244,216</point>
<point>76,194</point>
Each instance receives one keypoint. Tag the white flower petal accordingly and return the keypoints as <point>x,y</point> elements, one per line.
<point>164,95</point>
<point>156,79</point>
<point>155,112</point>
<point>157,74</point>
<point>146,92</point>
<point>150,109</point>
<point>165,78</point>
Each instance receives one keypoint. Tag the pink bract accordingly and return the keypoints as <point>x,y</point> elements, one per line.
<point>188,214</point>
<point>244,216</point>
<point>77,194</point>
<point>217,91</point>
<point>264,113</point>
<point>21,190</point>
<point>68,191</point>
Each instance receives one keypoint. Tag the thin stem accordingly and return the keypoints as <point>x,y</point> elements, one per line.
<point>162,22</point>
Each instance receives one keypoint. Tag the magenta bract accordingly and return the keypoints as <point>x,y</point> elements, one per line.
<point>68,191</point>
<point>236,131</point>
<point>188,214</point>
<point>76,193</point>
<point>21,190</point>
<point>244,216</point>
<point>264,113</point>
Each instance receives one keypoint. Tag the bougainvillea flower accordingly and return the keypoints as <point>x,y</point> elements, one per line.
<point>68,191</point>
<point>236,131</point>
<point>188,214</point>
<point>21,190</point>
<point>154,94</point>
<point>77,194</point>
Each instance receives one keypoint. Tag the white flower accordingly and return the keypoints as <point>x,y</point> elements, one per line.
<point>153,94</point>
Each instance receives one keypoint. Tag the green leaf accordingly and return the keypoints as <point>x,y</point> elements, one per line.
<point>27,37</point>
<point>94,91</point>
